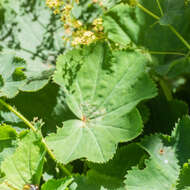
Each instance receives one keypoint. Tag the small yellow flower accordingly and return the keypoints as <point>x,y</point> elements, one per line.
<point>88,34</point>
<point>76,41</point>
<point>53,3</point>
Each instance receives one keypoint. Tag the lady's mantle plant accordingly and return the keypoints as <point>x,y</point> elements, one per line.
<point>111,118</point>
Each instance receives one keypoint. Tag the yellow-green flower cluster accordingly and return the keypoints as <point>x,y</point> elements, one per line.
<point>75,31</point>
<point>98,25</point>
<point>54,4</point>
<point>85,38</point>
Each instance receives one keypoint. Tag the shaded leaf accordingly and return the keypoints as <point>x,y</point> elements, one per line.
<point>52,111</point>
<point>60,184</point>
<point>173,110</point>
<point>7,141</point>
<point>31,30</point>
<point>17,75</point>
<point>129,26</point>
<point>172,10</point>
<point>111,174</point>
<point>175,68</point>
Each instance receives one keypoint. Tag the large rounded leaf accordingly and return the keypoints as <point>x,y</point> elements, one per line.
<point>102,89</point>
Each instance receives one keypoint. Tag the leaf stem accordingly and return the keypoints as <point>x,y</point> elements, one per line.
<point>68,182</point>
<point>166,90</point>
<point>9,107</point>
<point>159,6</point>
<point>179,36</point>
<point>170,26</point>
<point>147,11</point>
<point>28,123</point>
<point>166,53</point>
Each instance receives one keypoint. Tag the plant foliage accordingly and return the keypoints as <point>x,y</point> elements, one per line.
<point>106,109</point>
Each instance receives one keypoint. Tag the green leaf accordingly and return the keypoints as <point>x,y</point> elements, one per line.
<point>52,111</point>
<point>184,177</point>
<point>11,78</point>
<point>38,75</point>
<point>119,26</point>
<point>181,137</point>
<point>167,154</point>
<point>25,165</point>
<point>31,30</point>
<point>7,141</point>
<point>175,109</point>
<point>92,93</point>
<point>101,146</point>
<point>161,170</point>
<point>144,111</point>
<point>187,188</point>
<point>82,182</point>
<point>11,119</point>
<point>60,184</point>
<point>1,81</point>
<point>129,26</point>
<point>111,174</point>
<point>175,68</point>
<point>17,75</point>
<point>172,10</point>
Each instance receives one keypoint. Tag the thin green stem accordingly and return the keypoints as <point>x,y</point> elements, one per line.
<point>9,107</point>
<point>159,6</point>
<point>179,36</point>
<point>28,123</point>
<point>68,182</point>
<point>166,90</point>
<point>170,26</point>
<point>147,11</point>
<point>166,53</point>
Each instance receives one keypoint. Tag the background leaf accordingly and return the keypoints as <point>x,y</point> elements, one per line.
<point>31,30</point>
<point>7,141</point>
<point>172,10</point>
<point>25,165</point>
<point>111,174</point>
<point>60,184</point>
<point>162,166</point>
<point>16,75</point>
<point>167,154</point>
